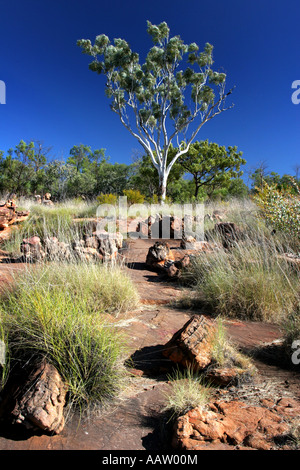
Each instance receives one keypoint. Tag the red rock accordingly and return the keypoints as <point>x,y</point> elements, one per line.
<point>232,423</point>
<point>40,402</point>
<point>191,346</point>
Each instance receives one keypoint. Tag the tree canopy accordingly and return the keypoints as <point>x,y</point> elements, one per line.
<point>159,102</point>
<point>211,165</point>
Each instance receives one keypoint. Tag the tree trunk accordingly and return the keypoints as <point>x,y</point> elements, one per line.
<point>196,188</point>
<point>162,186</point>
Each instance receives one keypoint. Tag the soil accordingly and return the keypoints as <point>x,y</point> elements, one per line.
<point>136,421</point>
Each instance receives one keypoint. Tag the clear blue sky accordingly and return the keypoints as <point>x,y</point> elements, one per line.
<point>53,97</point>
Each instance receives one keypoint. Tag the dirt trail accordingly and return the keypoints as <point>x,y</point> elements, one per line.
<point>135,422</point>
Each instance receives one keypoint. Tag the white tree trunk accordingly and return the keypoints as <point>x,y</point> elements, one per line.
<point>163,177</point>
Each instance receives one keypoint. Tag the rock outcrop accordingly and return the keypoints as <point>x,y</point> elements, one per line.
<point>39,403</point>
<point>98,247</point>
<point>235,425</point>
<point>191,345</point>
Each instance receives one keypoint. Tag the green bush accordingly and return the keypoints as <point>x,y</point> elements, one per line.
<point>134,196</point>
<point>107,199</point>
<point>280,208</point>
<point>59,312</point>
<point>253,280</point>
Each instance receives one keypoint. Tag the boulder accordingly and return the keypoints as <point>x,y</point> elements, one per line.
<point>32,250</point>
<point>7,216</point>
<point>160,255</point>
<point>191,243</point>
<point>56,250</point>
<point>109,244</point>
<point>191,346</point>
<point>39,403</point>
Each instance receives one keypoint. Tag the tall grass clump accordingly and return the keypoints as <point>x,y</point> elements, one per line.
<point>252,280</point>
<point>187,391</point>
<point>59,312</point>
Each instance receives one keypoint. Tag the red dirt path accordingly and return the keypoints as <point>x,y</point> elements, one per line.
<point>135,421</point>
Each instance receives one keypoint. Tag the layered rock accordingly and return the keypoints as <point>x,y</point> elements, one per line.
<point>32,249</point>
<point>160,255</point>
<point>234,424</point>
<point>189,242</point>
<point>39,403</point>
<point>99,247</point>
<point>193,346</point>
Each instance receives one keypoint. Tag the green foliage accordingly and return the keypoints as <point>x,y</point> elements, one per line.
<point>157,101</point>
<point>107,199</point>
<point>211,165</point>
<point>58,312</point>
<point>281,208</point>
<point>134,196</point>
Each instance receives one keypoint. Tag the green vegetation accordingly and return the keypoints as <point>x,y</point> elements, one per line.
<point>187,391</point>
<point>211,166</point>
<point>281,207</point>
<point>252,280</point>
<point>225,353</point>
<point>53,221</point>
<point>59,312</point>
<point>161,92</point>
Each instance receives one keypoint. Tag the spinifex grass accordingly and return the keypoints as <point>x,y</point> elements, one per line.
<point>57,312</point>
<point>252,280</point>
<point>187,391</point>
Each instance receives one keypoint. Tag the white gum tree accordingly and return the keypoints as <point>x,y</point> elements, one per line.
<point>150,99</point>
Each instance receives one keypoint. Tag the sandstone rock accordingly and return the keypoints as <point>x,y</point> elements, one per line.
<point>91,242</point>
<point>32,250</point>
<point>172,270</point>
<point>191,346</point>
<point>183,262</point>
<point>159,255</point>
<point>109,244</point>
<point>223,376</point>
<point>191,243</point>
<point>176,227</point>
<point>144,229</point>
<point>232,423</point>
<point>7,216</point>
<point>88,254</point>
<point>40,403</point>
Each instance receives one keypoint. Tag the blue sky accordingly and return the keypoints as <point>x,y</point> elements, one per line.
<point>53,97</point>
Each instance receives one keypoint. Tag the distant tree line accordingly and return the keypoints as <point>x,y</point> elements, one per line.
<point>206,171</point>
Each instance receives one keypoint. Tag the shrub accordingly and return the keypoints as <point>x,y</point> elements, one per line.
<point>134,196</point>
<point>251,281</point>
<point>107,199</point>
<point>280,208</point>
<point>58,312</point>
<point>226,354</point>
